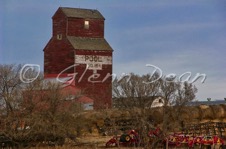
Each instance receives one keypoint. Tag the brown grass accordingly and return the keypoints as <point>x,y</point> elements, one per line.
<point>88,142</point>
<point>188,115</point>
<point>91,147</point>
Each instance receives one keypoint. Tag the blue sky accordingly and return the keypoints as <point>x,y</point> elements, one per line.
<point>177,36</point>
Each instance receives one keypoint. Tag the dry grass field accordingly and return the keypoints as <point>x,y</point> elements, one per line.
<point>196,114</point>
<point>68,147</point>
<point>88,142</point>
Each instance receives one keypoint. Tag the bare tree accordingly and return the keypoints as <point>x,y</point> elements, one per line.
<point>10,85</point>
<point>137,94</point>
<point>135,91</point>
<point>48,113</point>
<point>37,111</point>
<point>185,93</point>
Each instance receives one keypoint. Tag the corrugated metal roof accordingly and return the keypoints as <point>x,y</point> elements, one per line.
<point>85,43</point>
<point>81,13</point>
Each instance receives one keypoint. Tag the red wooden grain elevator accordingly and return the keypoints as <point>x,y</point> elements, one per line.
<point>78,48</point>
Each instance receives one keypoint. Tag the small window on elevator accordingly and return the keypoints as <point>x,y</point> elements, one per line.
<point>59,36</point>
<point>86,24</point>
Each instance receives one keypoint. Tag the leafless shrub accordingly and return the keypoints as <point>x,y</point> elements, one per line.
<point>35,112</point>
<point>136,93</point>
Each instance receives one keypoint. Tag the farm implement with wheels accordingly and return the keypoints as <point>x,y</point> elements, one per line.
<point>190,141</point>
<point>127,139</point>
<point>176,140</point>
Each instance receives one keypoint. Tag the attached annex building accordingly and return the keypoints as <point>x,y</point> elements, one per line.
<point>79,50</point>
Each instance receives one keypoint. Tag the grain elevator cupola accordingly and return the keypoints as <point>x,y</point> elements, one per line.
<point>78,47</point>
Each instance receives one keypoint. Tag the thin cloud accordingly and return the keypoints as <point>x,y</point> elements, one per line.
<point>173,28</point>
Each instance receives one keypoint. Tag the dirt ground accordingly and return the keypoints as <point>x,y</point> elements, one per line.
<point>88,142</point>
<point>93,142</point>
